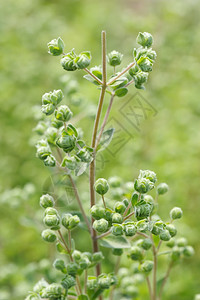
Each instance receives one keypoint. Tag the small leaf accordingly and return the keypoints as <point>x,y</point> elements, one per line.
<point>60,249</point>
<point>82,297</point>
<point>121,92</point>
<point>116,242</point>
<point>106,138</point>
<point>82,167</point>
<point>91,79</point>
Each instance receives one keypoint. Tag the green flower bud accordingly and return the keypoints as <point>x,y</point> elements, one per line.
<point>63,113</point>
<point>56,123</point>
<point>114,58</point>
<point>48,109</point>
<point>40,128</point>
<point>50,161</point>
<point>56,47</point>
<point>129,229</point>
<point>145,64</point>
<point>176,253</point>
<point>188,251</point>
<point>85,154</point>
<point>146,244</point>
<point>65,220</point>
<point>101,186</point>
<point>157,228</point>
<point>68,281</point>
<point>97,212</point>
<point>104,281</point>
<point>40,285</point>
<point>32,296</point>
<point>140,78</point>
<point>68,62</point>
<point>72,269</point>
<point>117,252</point>
<point>150,175</point>
<point>66,142</point>
<point>91,282</point>
<point>115,181</point>
<point>136,253</point>
<point>143,185</point>
<point>170,243</point>
<point>144,39</point>
<point>70,162</point>
<point>83,60</point>
<point>76,255</point>
<point>162,188</point>
<point>43,151</point>
<point>117,218</point>
<point>176,213</point>
<point>133,71</point>
<point>69,221</point>
<point>49,236</point>
<point>147,266</point>
<point>53,290</point>
<point>100,225</point>
<point>181,242</point>
<point>151,54</point>
<point>54,97</point>
<point>51,220</point>
<point>108,214</point>
<point>172,229</point>
<point>84,263</point>
<point>59,264</point>
<point>97,257</point>
<point>165,235</point>
<point>51,135</point>
<point>120,207</point>
<point>50,211</point>
<point>46,201</point>
<point>149,199</point>
<point>142,225</point>
<point>143,210</point>
<point>117,229</point>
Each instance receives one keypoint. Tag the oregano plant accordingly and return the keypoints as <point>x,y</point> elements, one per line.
<point>120,216</point>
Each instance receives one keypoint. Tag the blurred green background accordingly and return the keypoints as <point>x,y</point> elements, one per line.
<point>168,142</point>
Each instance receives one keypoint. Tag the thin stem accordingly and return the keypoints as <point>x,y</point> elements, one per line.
<point>149,286</point>
<point>66,246</point>
<point>130,82</point>
<point>127,217</point>
<point>85,281</point>
<point>120,74</point>
<point>143,234</point>
<point>103,235</point>
<point>165,280</point>
<point>127,209</point>
<point>159,245</point>
<point>154,294</point>
<point>69,238</point>
<point>96,78</point>
<point>104,203</point>
<point>79,203</point>
<point>105,119</point>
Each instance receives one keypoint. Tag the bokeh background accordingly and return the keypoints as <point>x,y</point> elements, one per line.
<point>167,142</point>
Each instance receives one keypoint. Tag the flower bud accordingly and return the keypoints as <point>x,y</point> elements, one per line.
<point>69,221</point>
<point>104,281</point>
<point>85,154</point>
<point>46,201</point>
<point>32,296</point>
<point>157,227</point>
<point>117,218</point>
<point>50,161</point>
<point>136,253</point>
<point>51,220</point>
<point>59,264</point>
<point>53,290</point>
<point>143,185</point>
<point>56,47</point>
<point>100,225</point>
<point>66,142</point>
<point>176,253</point>
<point>115,181</point>
<point>133,71</point>
<point>91,282</point>
<point>97,212</point>
<point>188,251</point>
<point>176,213</point>
<point>162,188</point>
<point>97,256</point>
<point>84,263</point>
<point>120,207</point>
<point>49,236</point>
<point>83,60</point>
<point>151,54</point>
<point>129,229</point>
<point>148,175</point>
<point>68,281</point>
<point>40,127</point>
<point>48,109</point>
<point>143,210</point>
<point>76,255</point>
<point>147,266</point>
<point>140,78</point>
<point>51,134</point>
<point>165,235</point>
<point>56,123</point>
<point>144,39</point>
<point>146,244</point>
<point>101,186</point>
<point>65,220</point>
<point>170,243</point>
<point>72,269</point>
<point>114,58</point>
<point>50,211</point>
<point>172,229</point>
<point>108,214</point>
<point>63,113</point>
<point>145,64</point>
<point>43,151</point>
<point>40,285</point>
<point>68,61</point>
<point>117,229</point>
<point>181,242</point>
<point>117,252</point>
<point>70,162</point>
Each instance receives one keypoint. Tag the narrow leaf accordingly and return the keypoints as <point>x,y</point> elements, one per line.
<point>116,242</point>
<point>106,138</point>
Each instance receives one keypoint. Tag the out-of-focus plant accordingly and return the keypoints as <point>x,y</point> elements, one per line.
<point>130,226</point>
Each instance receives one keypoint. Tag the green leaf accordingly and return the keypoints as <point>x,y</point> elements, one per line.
<point>82,167</point>
<point>91,79</point>
<point>121,92</point>
<point>116,242</point>
<point>82,297</point>
<point>60,249</point>
<point>106,138</point>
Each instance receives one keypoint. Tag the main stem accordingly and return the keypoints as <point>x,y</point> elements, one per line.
<point>94,136</point>
<point>154,294</point>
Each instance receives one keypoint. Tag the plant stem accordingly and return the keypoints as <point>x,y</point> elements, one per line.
<point>103,235</point>
<point>165,280</point>
<point>104,203</point>
<point>127,217</point>
<point>96,124</point>
<point>149,286</point>
<point>120,74</point>
<point>127,209</point>
<point>105,120</point>
<point>85,281</point>
<point>96,78</point>
<point>66,246</point>
<point>143,234</point>
<point>79,203</point>
<point>154,294</point>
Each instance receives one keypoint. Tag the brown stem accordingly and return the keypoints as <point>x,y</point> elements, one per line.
<point>154,293</point>
<point>165,280</point>
<point>149,286</point>
<point>66,246</point>
<point>103,235</point>
<point>104,203</point>
<point>120,74</point>
<point>127,217</point>
<point>96,78</point>
<point>143,234</point>
<point>127,209</point>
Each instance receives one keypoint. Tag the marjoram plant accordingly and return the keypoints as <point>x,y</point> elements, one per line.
<point>126,221</point>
